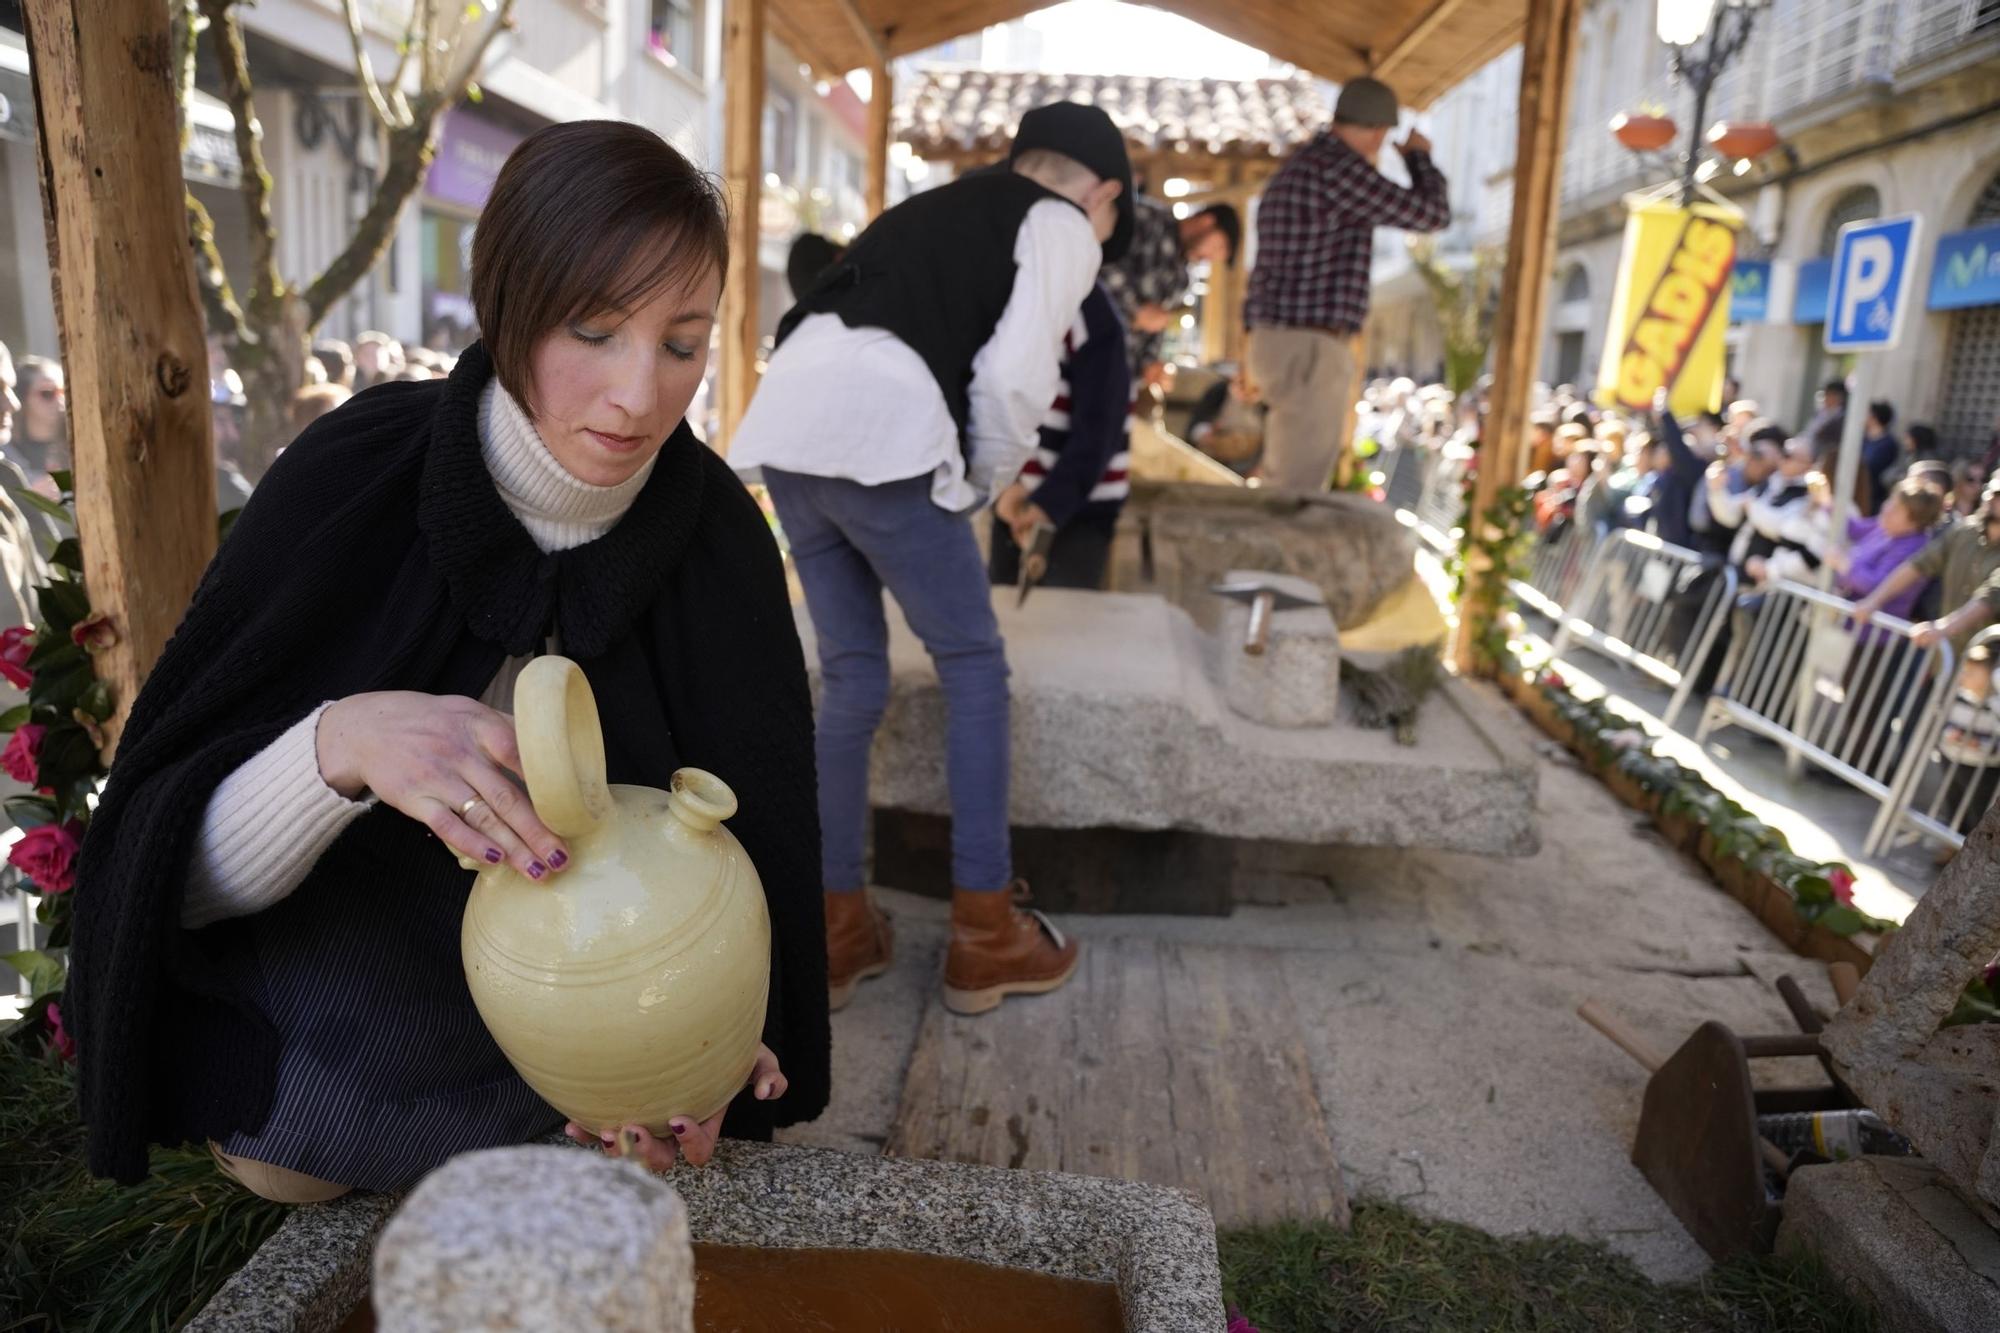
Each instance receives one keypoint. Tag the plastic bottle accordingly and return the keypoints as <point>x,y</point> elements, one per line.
<point>1834,1135</point>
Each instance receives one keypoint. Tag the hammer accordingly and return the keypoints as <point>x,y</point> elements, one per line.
<point>1267,595</point>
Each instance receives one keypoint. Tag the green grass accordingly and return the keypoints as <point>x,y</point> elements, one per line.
<point>82,1254</point>
<point>1397,1272</point>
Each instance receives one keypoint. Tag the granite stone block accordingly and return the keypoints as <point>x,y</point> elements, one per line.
<point>536,1237</point>
<point>1117,723</point>
<point>1899,1238</point>
<point>1157,1245</point>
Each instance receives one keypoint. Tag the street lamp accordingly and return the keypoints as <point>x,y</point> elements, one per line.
<point>1682,24</point>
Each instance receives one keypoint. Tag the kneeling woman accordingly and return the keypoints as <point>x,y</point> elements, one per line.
<point>266,951</point>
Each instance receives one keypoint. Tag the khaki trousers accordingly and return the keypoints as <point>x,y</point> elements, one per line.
<point>1307,378</point>
<point>276,1183</point>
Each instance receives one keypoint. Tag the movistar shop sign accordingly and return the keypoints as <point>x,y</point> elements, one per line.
<point>1967,269</point>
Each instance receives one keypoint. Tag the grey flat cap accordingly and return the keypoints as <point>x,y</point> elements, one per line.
<point>1367,102</point>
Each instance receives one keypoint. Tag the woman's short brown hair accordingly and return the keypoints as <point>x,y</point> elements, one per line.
<point>1922,502</point>
<point>586,217</point>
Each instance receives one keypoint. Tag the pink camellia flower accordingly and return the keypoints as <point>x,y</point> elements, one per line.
<point>15,645</point>
<point>47,855</point>
<point>1842,880</point>
<point>59,1039</point>
<point>1239,1322</point>
<point>23,752</point>
<point>94,633</point>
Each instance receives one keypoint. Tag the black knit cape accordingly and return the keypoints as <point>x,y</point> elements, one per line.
<point>377,554</point>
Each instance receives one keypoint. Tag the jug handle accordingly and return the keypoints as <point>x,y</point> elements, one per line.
<point>562,746</point>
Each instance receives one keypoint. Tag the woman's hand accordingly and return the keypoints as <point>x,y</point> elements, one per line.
<point>446,762</point>
<point>692,1140</point>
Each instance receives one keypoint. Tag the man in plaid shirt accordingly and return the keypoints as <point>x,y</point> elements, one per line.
<point>1150,284</point>
<point>1308,294</point>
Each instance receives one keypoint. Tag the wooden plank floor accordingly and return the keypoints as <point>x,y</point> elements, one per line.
<point>1164,1062</point>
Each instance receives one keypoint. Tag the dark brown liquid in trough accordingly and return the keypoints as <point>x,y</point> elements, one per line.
<point>750,1289</point>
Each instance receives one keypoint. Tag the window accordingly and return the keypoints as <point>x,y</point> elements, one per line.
<point>674,35</point>
<point>781,134</point>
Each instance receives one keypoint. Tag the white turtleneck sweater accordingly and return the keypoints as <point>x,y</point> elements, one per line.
<point>273,818</point>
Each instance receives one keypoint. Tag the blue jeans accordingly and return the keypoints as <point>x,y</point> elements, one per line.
<point>849,542</point>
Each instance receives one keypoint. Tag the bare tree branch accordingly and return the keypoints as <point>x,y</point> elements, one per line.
<point>502,21</point>
<point>267,287</point>
<point>410,40</point>
<point>411,147</point>
<point>218,301</point>
<point>364,70</point>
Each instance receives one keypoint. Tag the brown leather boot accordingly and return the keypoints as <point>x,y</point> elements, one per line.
<point>1001,947</point>
<point>859,943</point>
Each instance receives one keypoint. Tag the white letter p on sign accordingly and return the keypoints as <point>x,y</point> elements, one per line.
<point>1870,261</point>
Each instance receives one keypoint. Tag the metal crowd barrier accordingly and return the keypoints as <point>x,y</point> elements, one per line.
<point>1651,605</point>
<point>1440,508</point>
<point>1962,761</point>
<point>1860,703</point>
<point>1403,466</point>
<point>1556,568</point>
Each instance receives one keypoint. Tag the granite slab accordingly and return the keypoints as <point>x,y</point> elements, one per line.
<point>1117,723</point>
<point>1157,1245</point>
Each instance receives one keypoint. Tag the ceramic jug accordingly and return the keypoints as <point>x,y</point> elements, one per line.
<point>630,987</point>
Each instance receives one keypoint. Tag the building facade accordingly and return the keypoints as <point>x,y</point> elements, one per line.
<point>655,62</point>
<point>1885,107</point>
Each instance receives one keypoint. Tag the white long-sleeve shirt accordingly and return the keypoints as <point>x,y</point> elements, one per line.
<point>859,403</point>
<point>273,818</point>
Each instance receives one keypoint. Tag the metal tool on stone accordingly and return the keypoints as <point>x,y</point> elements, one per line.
<point>1266,596</point>
<point>1034,561</point>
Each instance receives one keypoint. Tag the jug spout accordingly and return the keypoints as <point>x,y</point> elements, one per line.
<point>700,799</point>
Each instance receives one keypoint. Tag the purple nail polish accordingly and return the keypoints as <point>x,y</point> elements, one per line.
<point>557,860</point>
<point>493,855</point>
<point>679,1127</point>
<point>536,870</point>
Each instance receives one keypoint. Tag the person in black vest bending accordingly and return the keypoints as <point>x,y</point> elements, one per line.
<point>904,395</point>
<point>269,901</point>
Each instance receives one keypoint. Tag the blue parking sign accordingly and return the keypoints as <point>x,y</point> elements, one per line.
<point>1872,268</point>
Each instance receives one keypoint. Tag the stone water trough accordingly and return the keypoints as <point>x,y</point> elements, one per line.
<point>551,1234</point>
<point>1137,717</point>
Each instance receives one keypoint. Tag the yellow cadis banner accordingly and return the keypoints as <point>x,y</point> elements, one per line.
<point>1670,309</point>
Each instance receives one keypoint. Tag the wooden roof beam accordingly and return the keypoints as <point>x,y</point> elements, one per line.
<point>779,24</point>
<point>1419,33</point>
<point>874,42</point>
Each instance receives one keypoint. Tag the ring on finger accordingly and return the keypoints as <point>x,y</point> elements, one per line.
<point>471,803</point>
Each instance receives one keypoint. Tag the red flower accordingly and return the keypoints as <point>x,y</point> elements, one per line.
<point>1239,1322</point>
<point>1552,680</point>
<point>94,633</point>
<point>15,645</point>
<point>22,753</point>
<point>59,1039</point>
<point>47,855</point>
<point>1842,880</point>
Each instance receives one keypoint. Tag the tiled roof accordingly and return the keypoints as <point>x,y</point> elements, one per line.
<point>965,113</point>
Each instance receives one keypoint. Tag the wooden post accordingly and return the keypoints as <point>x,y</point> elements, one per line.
<point>743,178</point>
<point>881,100</point>
<point>129,320</point>
<point>1548,60</point>
<point>1223,309</point>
